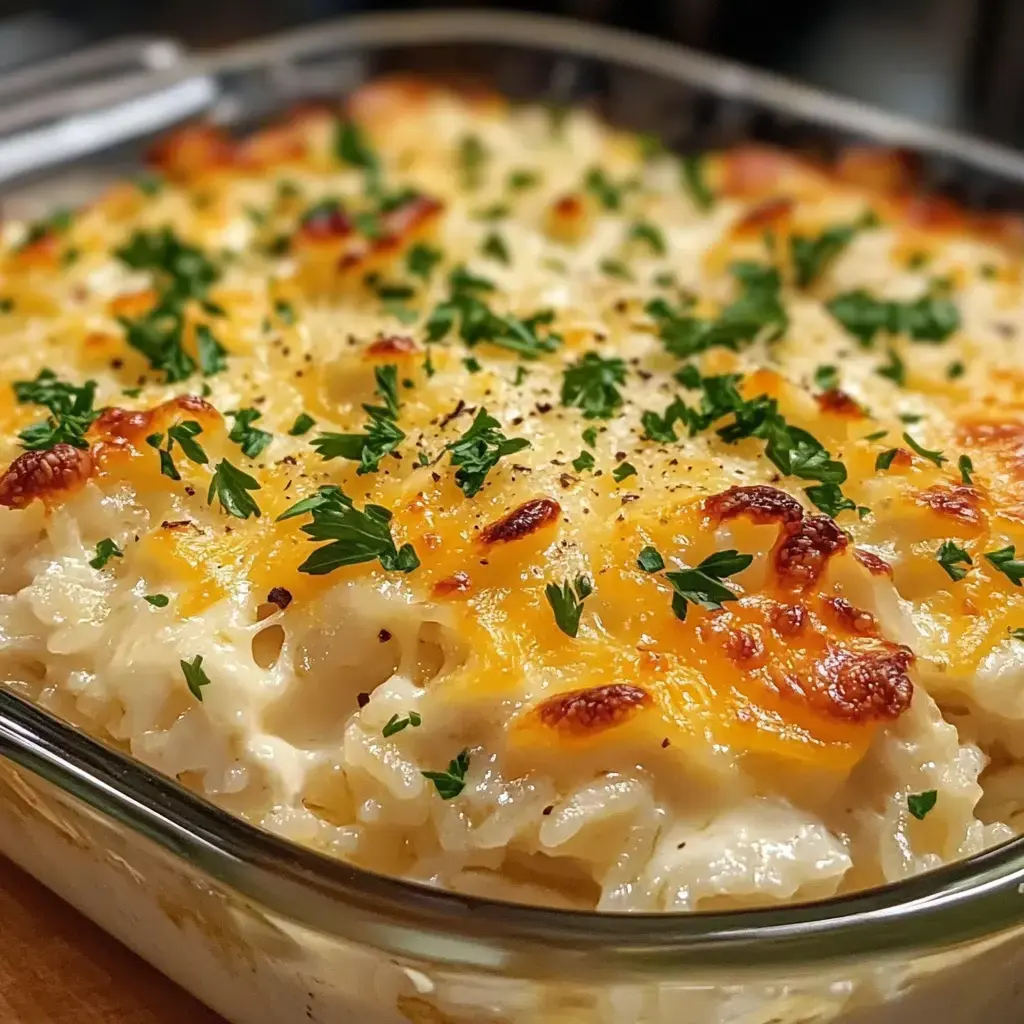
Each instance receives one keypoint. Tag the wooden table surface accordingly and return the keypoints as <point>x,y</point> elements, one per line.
<point>58,968</point>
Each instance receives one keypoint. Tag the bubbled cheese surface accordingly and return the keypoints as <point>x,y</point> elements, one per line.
<point>849,714</point>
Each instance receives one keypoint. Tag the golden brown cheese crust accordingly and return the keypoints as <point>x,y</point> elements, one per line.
<point>794,647</point>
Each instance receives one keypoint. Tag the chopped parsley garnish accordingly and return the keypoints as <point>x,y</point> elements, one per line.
<point>692,174</point>
<point>472,365</point>
<point>231,487</point>
<point>472,157</point>
<point>884,459</point>
<point>966,467</point>
<point>478,451</point>
<point>1016,632</point>
<point>396,724</point>
<point>623,471</point>
<point>285,312</point>
<point>421,259</point>
<point>895,369</point>
<point>351,147</point>
<point>353,537</point>
<point>591,384</point>
<point>758,312</point>
<point>184,434</point>
<point>934,457</point>
<point>157,600</point>
<point>615,268</point>
<point>71,411</point>
<point>302,425</point>
<point>467,309</point>
<point>584,462</point>
<point>451,783</point>
<point>812,256</point>
<point>6,305</point>
<point>650,560</point>
<point>57,223</point>
<point>952,558</point>
<point>382,434</point>
<point>149,185</point>
<point>703,585</point>
<point>495,247</point>
<point>195,676</point>
<point>1007,562</point>
<point>106,549</point>
<point>653,237</point>
<point>250,439</point>
<point>661,427</point>
<point>590,436</point>
<point>521,179</point>
<point>826,378</point>
<point>919,804</point>
<point>602,188</point>
<point>567,602</point>
<point>212,354</point>
<point>182,273</point>
<point>932,318</point>
<point>955,370</point>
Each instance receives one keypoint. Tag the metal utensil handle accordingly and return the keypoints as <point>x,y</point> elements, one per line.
<point>90,100</point>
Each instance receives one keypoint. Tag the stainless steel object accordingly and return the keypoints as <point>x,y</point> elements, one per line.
<point>265,931</point>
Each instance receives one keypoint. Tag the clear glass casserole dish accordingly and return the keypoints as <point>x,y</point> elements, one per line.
<point>263,930</point>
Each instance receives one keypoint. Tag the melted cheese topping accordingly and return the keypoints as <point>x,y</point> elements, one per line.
<point>787,692</point>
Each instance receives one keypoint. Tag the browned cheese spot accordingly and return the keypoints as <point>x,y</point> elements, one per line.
<point>45,475</point>
<point>588,711</point>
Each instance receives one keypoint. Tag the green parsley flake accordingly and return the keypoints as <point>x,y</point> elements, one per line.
<point>584,462</point>
<point>695,183</point>
<point>157,600</point>
<point>826,378</point>
<point>70,406</point>
<point>353,537</point>
<point>650,560</point>
<point>195,676</point>
<point>758,313</point>
<point>382,434</point>
<point>495,248</point>
<point>952,558</point>
<point>703,585</point>
<point>966,467</point>
<point>615,268</point>
<point>230,486</point>
<point>623,471</point>
<point>567,602</point>
<point>106,549</point>
<point>250,439</point>
<point>472,158</point>
<point>932,318</point>
<point>466,309</point>
<point>653,237</point>
<point>812,256</point>
<point>884,459</point>
<point>937,458</point>
<point>451,783</point>
<point>919,804</point>
<point>397,723</point>
<point>592,384</point>
<point>479,450</point>
<point>421,260</point>
<point>302,425</point>
<point>1006,561</point>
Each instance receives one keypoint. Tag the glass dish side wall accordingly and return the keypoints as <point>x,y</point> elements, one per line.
<point>255,964</point>
<point>257,967</point>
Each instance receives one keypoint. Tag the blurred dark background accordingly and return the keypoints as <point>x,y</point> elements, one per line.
<point>950,62</point>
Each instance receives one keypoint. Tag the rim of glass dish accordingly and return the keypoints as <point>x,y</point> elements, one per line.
<point>971,899</point>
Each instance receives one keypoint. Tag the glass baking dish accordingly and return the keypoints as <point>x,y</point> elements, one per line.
<point>263,930</point>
